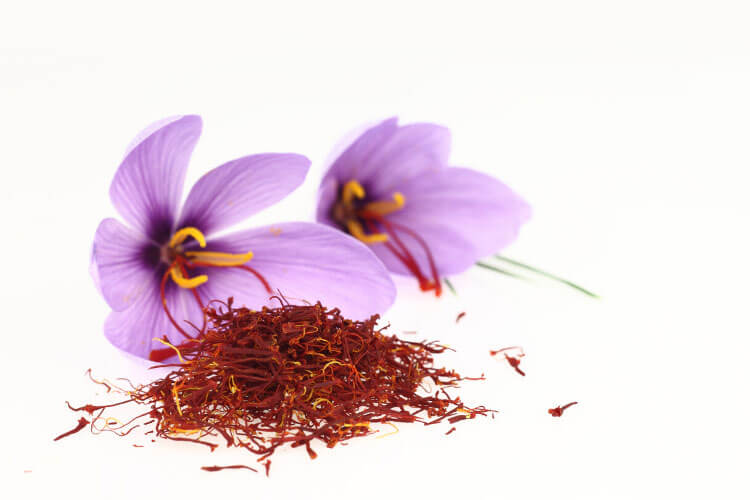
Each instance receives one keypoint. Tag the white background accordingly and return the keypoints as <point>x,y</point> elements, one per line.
<point>625,124</point>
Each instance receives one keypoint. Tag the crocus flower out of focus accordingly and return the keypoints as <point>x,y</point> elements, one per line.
<point>160,270</point>
<point>392,189</point>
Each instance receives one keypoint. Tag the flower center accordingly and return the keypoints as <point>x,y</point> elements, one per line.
<point>179,260</point>
<point>366,221</point>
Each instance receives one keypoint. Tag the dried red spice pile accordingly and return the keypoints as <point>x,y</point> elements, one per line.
<point>292,375</point>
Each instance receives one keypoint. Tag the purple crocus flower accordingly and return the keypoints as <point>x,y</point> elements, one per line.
<point>157,274</point>
<point>392,189</point>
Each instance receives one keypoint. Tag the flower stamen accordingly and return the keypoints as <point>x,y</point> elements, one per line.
<point>180,236</point>
<point>182,281</point>
<point>356,230</point>
<point>385,207</point>
<point>351,190</point>
<point>220,259</point>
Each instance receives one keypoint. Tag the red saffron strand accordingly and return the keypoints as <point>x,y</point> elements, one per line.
<point>406,258</point>
<point>558,411</point>
<point>217,468</point>
<point>450,431</point>
<point>82,422</point>
<point>267,465</point>
<point>513,361</point>
<point>460,315</point>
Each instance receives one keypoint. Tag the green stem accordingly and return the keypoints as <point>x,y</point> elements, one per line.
<point>501,271</point>
<point>546,274</point>
<point>450,286</point>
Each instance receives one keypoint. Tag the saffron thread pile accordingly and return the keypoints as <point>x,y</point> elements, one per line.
<point>291,375</point>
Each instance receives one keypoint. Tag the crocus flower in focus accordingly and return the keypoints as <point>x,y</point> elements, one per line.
<point>392,189</point>
<point>157,273</point>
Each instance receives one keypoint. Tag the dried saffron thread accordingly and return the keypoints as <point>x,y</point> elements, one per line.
<point>292,375</point>
<point>558,411</point>
<point>82,422</point>
<point>513,361</point>
<point>460,315</point>
<point>217,468</point>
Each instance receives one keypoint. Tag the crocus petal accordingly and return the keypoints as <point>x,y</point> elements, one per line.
<point>327,194</point>
<point>384,157</point>
<point>119,267</point>
<point>354,158</point>
<point>304,262</point>
<point>240,188</point>
<point>479,208</point>
<point>148,184</point>
<point>412,151</point>
<point>134,329</point>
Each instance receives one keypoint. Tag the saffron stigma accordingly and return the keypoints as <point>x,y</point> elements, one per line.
<point>291,375</point>
<point>366,220</point>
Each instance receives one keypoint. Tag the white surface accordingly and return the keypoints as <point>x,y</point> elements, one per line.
<point>624,124</point>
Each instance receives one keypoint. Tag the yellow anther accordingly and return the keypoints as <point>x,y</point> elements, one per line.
<point>351,190</point>
<point>184,282</point>
<point>179,355</point>
<point>181,235</point>
<point>385,207</point>
<point>356,230</point>
<point>220,259</point>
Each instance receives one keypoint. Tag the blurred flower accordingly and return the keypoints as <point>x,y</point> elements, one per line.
<point>392,189</point>
<point>157,274</point>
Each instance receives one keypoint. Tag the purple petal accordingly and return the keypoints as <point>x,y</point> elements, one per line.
<point>119,268</point>
<point>143,134</point>
<point>479,208</point>
<point>148,184</point>
<point>134,329</point>
<point>412,151</point>
<point>385,157</point>
<point>349,163</point>
<point>305,262</point>
<point>327,194</point>
<point>240,188</point>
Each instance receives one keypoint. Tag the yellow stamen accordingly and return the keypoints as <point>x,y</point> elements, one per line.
<point>351,190</point>
<point>179,355</point>
<point>385,207</point>
<point>356,230</point>
<point>182,235</point>
<point>184,282</point>
<point>220,259</point>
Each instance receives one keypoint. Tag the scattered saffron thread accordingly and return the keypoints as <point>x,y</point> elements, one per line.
<point>558,411</point>
<point>217,468</point>
<point>450,431</point>
<point>513,361</point>
<point>460,315</point>
<point>82,422</point>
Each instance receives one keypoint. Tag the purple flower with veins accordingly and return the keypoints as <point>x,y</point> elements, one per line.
<point>157,274</point>
<point>392,189</point>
